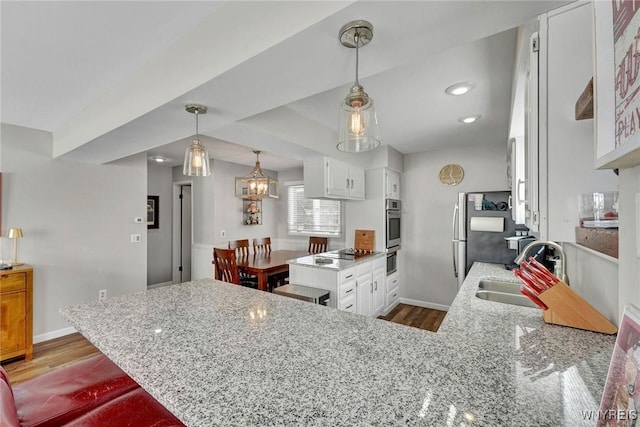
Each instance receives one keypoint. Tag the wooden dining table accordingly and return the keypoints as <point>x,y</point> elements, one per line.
<point>267,264</point>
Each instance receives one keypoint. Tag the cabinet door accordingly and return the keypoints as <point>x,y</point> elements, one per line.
<point>13,315</point>
<point>517,180</point>
<point>365,294</point>
<point>393,290</point>
<point>356,183</point>
<point>338,181</point>
<point>532,214</point>
<point>379,291</point>
<point>392,187</point>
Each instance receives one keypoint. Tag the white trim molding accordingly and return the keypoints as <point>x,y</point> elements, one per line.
<point>425,304</point>
<point>53,334</point>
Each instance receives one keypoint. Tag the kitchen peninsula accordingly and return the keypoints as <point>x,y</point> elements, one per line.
<point>219,354</point>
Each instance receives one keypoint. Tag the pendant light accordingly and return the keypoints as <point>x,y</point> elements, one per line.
<point>257,185</point>
<point>358,128</point>
<point>196,158</point>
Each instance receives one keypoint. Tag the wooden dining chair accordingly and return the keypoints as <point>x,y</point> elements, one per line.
<point>226,265</point>
<point>262,245</point>
<point>317,244</point>
<point>240,246</point>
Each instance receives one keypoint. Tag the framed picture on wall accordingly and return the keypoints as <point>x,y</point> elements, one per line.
<point>153,213</point>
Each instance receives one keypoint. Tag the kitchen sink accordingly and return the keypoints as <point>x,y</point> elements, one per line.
<point>506,298</point>
<point>499,286</point>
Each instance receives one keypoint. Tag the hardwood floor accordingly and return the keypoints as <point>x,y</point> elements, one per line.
<point>48,356</point>
<point>418,317</point>
<point>59,352</point>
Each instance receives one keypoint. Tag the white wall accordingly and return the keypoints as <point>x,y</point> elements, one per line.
<point>77,220</point>
<point>159,240</point>
<point>216,208</point>
<point>426,269</point>
<point>629,235</point>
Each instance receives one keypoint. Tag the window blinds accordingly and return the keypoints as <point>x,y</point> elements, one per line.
<point>313,216</point>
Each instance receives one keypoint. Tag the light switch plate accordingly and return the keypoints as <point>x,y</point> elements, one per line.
<point>136,238</point>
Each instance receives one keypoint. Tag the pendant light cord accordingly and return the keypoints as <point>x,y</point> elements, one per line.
<point>356,39</point>
<point>197,137</point>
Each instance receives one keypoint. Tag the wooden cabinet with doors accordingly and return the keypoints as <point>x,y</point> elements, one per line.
<point>16,313</point>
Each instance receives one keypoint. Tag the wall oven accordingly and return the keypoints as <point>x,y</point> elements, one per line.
<point>392,262</point>
<point>393,224</point>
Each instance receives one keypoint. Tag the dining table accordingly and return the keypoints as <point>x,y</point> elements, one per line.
<point>267,264</point>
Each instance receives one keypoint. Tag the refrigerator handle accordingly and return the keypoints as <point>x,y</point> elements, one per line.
<point>454,240</point>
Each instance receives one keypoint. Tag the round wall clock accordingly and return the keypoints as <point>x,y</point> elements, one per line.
<point>451,174</point>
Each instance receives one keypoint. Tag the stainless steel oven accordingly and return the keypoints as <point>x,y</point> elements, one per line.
<point>392,262</point>
<point>393,224</point>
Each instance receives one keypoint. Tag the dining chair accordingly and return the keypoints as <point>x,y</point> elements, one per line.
<point>240,246</point>
<point>262,245</point>
<point>317,244</point>
<point>226,265</point>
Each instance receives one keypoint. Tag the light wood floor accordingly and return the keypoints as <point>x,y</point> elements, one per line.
<point>54,354</point>
<point>418,317</point>
<point>49,356</point>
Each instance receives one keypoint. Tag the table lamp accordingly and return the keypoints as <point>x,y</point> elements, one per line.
<point>15,233</point>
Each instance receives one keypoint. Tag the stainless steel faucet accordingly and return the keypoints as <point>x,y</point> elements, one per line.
<point>557,248</point>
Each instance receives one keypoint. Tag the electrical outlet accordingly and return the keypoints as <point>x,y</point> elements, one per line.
<point>102,295</point>
<point>138,220</point>
<point>136,238</point>
<point>223,233</point>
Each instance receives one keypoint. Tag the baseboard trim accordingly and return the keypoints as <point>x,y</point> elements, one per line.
<point>425,304</point>
<point>53,334</point>
<point>159,285</point>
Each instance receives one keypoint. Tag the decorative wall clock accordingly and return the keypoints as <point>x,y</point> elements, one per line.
<point>451,174</point>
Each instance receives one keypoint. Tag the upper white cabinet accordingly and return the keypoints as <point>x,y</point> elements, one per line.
<point>558,149</point>
<point>329,178</point>
<point>392,184</point>
<point>518,180</point>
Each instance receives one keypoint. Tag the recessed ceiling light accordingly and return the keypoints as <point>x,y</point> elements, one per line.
<point>460,88</point>
<point>158,159</point>
<point>469,119</point>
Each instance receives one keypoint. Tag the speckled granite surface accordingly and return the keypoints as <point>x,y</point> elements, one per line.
<point>219,354</point>
<point>332,263</point>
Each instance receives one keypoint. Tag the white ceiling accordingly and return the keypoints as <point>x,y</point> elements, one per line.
<point>111,79</point>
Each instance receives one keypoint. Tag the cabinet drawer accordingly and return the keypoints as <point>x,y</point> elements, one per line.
<point>393,296</point>
<point>347,289</point>
<point>348,304</point>
<point>348,274</point>
<point>13,282</point>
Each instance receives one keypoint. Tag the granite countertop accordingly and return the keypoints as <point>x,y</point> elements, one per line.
<point>219,354</point>
<point>331,263</point>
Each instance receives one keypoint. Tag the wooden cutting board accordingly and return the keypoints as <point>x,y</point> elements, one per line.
<point>365,240</point>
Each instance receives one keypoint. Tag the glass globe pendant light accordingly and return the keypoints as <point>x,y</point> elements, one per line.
<point>196,158</point>
<point>358,127</point>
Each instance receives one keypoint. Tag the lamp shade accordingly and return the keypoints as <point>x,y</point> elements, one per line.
<point>196,160</point>
<point>15,233</point>
<point>358,125</point>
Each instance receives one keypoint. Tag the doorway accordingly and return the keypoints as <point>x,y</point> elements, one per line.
<point>182,231</point>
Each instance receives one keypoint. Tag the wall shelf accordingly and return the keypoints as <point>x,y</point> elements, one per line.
<point>251,212</point>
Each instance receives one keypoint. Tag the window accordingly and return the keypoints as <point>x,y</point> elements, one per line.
<point>313,216</point>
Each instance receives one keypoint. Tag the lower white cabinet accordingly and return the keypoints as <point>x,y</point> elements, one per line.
<point>360,289</point>
<point>393,291</point>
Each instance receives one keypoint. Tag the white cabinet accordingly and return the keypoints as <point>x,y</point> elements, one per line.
<point>558,149</point>
<point>393,291</point>
<point>329,178</point>
<point>359,289</point>
<point>392,184</point>
<point>364,283</point>
<point>518,206</point>
<point>379,285</point>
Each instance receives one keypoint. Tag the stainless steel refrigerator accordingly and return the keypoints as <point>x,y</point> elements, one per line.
<point>484,246</point>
